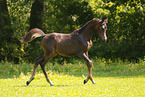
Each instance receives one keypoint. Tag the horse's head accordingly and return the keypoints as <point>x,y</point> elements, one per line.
<point>101,30</point>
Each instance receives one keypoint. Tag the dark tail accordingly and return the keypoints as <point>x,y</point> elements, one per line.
<point>32,34</point>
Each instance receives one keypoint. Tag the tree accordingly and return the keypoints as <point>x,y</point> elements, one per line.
<point>67,15</point>
<point>37,10</point>
<point>5,24</point>
<point>8,44</point>
<point>36,21</point>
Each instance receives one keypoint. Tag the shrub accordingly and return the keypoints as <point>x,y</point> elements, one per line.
<point>125,26</point>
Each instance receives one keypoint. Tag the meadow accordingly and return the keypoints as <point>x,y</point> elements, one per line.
<point>113,78</point>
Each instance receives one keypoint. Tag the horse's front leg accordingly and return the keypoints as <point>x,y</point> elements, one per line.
<point>46,76</point>
<point>89,65</point>
<point>42,64</point>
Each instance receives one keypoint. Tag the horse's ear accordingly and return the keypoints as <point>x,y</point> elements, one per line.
<point>104,20</point>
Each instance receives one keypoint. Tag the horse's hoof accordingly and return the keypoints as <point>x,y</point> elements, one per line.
<point>94,82</point>
<point>51,84</point>
<point>27,83</point>
<point>85,81</point>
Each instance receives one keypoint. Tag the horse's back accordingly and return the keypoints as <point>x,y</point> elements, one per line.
<point>66,44</point>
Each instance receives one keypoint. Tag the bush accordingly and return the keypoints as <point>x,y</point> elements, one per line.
<point>125,26</point>
<point>125,32</point>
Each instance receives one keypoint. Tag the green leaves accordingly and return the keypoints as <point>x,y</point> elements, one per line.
<point>125,25</point>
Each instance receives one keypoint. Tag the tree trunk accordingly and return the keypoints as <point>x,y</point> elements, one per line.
<point>36,17</point>
<point>36,21</point>
<point>5,24</point>
<point>8,43</point>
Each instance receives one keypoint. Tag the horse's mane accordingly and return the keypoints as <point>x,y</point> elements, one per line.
<point>84,27</point>
<point>80,30</point>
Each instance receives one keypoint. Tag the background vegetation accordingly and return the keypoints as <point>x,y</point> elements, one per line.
<point>126,33</point>
<point>115,72</point>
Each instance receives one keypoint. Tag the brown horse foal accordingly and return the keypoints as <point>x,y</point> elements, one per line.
<point>76,43</point>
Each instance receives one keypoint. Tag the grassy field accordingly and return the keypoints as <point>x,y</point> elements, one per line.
<point>116,79</point>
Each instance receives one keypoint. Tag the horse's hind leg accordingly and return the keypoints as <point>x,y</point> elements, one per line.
<point>89,65</point>
<point>42,64</point>
<point>37,62</point>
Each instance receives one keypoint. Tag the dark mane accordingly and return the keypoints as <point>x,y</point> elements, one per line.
<point>80,30</point>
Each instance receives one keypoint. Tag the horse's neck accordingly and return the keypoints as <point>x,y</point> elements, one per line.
<point>87,34</point>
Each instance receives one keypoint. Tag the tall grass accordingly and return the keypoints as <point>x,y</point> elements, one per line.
<point>102,68</point>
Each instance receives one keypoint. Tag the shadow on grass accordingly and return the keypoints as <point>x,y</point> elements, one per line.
<point>32,86</point>
<point>42,86</point>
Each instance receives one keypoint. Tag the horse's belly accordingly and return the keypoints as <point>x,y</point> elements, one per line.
<point>66,49</point>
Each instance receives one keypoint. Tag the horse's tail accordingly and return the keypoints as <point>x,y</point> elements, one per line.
<point>32,34</point>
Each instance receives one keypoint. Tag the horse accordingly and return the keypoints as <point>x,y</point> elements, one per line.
<point>76,43</point>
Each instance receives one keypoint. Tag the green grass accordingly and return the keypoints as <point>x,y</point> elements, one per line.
<point>117,79</point>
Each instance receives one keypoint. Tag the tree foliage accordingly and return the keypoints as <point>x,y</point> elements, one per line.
<point>36,17</point>
<point>126,33</point>
<point>66,15</point>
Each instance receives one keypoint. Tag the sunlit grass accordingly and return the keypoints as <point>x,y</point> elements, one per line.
<point>70,86</point>
<point>117,79</point>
